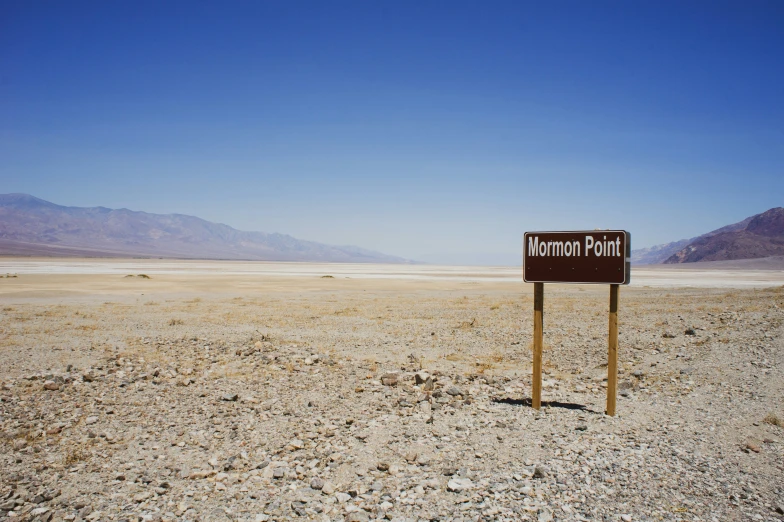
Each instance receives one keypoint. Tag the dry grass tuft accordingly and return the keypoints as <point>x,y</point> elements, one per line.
<point>774,420</point>
<point>465,325</point>
<point>75,454</point>
<point>175,322</point>
<point>482,367</point>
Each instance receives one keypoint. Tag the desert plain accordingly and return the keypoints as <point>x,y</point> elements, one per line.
<point>166,390</point>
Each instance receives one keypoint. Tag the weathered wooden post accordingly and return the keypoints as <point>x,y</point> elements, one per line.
<point>536,399</point>
<point>612,352</point>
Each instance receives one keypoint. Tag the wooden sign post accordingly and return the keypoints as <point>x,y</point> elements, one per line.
<point>536,399</point>
<point>612,352</point>
<point>591,257</point>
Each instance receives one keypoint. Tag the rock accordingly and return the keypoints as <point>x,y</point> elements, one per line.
<point>454,391</point>
<point>342,497</point>
<point>421,377</point>
<point>54,430</point>
<point>626,518</point>
<point>638,373</point>
<point>91,420</point>
<point>328,488</point>
<point>539,472</point>
<point>544,516</point>
<point>390,379</point>
<point>317,483</point>
<point>51,386</point>
<point>377,486</point>
<point>230,397</point>
<point>459,484</point>
<point>358,516</point>
<point>779,508</point>
<point>382,466</point>
<point>753,446</point>
<point>197,475</point>
<point>668,335</point>
<point>278,473</point>
<point>690,331</point>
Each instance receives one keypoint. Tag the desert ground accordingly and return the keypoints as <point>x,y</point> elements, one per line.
<point>174,390</point>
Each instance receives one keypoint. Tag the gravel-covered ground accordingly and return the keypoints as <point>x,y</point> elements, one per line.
<point>301,401</point>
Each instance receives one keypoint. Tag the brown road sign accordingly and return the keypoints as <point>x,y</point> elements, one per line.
<point>595,256</point>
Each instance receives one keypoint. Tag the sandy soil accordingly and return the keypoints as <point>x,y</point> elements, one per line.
<point>225,391</point>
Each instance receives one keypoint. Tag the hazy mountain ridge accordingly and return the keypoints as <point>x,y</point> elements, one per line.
<point>763,236</point>
<point>657,253</point>
<point>661,253</point>
<point>32,226</point>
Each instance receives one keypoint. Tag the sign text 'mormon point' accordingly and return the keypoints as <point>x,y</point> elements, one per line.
<point>596,256</point>
<point>598,248</point>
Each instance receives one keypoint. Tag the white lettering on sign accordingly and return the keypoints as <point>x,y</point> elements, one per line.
<point>552,248</point>
<point>600,248</point>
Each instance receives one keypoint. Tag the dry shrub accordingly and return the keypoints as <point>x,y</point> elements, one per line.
<point>774,420</point>
<point>483,366</point>
<point>175,322</point>
<point>88,327</point>
<point>75,454</point>
<point>465,325</point>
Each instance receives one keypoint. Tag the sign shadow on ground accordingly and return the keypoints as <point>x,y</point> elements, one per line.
<point>551,404</point>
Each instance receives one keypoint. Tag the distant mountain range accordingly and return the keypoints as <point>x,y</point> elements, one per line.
<point>32,226</point>
<point>755,237</point>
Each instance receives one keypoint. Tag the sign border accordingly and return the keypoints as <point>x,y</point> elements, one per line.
<point>627,276</point>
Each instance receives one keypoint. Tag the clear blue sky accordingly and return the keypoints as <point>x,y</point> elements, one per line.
<point>438,131</point>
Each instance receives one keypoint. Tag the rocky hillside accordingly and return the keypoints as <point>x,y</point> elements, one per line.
<point>763,236</point>
<point>660,253</point>
<point>32,226</point>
